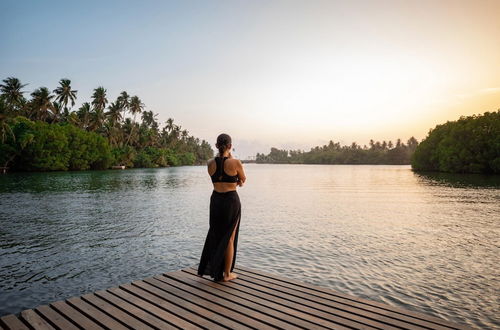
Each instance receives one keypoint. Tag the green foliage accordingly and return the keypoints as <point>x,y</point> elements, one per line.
<point>334,153</point>
<point>59,138</point>
<point>39,146</point>
<point>468,145</point>
<point>187,158</point>
<point>124,156</point>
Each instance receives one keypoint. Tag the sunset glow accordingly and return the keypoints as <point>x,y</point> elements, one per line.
<point>288,74</point>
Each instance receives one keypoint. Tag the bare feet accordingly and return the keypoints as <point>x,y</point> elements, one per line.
<point>231,276</point>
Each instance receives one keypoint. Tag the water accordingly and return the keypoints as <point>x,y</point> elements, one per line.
<point>427,243</point>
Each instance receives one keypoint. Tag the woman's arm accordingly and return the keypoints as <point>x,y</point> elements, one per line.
<point>241,174</point>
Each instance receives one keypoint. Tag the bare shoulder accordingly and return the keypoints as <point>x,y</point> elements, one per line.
<point>211,163</point>
<point>235,161</point>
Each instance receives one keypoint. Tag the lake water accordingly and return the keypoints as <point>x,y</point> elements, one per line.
<point>427,243</point>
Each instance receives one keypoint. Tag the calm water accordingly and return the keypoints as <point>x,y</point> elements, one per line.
<point>426,243</point>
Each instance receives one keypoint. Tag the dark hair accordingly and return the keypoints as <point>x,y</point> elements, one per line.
<point>223,140</point>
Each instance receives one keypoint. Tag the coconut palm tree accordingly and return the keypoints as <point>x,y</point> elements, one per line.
<point>64,93</point>
<point>41,104</point>
<point>99,99</point>
<point>123,101</point>
<point>135,106</point>
<point>148,118</point>
<point>11,92</point>
<point>184,134</point>
<point>97,119</point>
<point>84,115</point>
<point>170,125</point>
<point>114,114</point>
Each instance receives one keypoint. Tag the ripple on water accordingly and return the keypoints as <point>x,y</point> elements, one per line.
<point>422,242</point>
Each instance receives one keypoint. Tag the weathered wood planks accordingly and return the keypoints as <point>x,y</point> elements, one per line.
<point>255,300</point>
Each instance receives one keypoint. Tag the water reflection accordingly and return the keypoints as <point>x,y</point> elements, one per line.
<point>427,242</point>
<point>459,180</point>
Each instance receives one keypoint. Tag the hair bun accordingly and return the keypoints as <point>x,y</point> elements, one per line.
<point>223,140</point>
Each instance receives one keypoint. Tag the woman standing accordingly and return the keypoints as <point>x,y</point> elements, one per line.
<point>219,252</point>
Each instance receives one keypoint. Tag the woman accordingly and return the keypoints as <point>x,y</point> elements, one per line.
<point>219,253</point>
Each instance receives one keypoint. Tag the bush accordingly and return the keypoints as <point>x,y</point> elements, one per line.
<point>39,146</point>
<point>468,145</point>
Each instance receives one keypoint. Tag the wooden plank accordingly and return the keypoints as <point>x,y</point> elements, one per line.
<point>12,322</point>
<point>226,315</point>
<point>55,318</point>
<point>199,315</point>
<point>325,304</point>
<point>374,312</point>
<point>75,315</point>
<point>95,314</point>
<point>115,312</point>
<point>293,316</point>
<point>315,304</point>
<point>35,320</point>
<point>238,315</point>
<point>240,306</point>
<point>257,299</point>
<point>328,306</point>
<point>146,316</point>
<point>331,294</point>
<point>340,317</point>
<point>172,319</point>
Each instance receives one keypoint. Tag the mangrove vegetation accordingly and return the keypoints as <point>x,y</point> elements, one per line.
<point>468,145</point>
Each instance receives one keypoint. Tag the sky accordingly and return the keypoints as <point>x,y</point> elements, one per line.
<point>285,74</point>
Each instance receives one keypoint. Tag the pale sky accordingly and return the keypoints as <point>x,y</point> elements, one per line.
<point>288,74</point>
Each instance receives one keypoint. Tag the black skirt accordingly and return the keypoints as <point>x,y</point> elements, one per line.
<point>225,213</point>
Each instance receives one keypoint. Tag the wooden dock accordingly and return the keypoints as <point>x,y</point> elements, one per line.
<point>255,300</point>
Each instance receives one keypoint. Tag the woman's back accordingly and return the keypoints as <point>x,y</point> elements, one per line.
<point>226,173</point>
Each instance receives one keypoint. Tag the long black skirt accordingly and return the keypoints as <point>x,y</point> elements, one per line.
<point>225,213</point>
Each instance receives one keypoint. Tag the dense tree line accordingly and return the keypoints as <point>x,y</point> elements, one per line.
<point>333,153</point>
<point>45,133</point>
<point>468,145</point>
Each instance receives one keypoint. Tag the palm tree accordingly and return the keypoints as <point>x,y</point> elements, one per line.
<point>99,99</point>
<point>135,106</point>
<point>99,102</point>
<point>41,103</point>
<point>65,94</point>
<point>123,101</point>
<point>114,114</point>
<point>130,129</point>
<point>170,125</point>
<point>11,92</point>
<point>84,115</point>
<point>184,134</point>
<point>112,132</point>
<point>148,118</point>
<point>97,120</point>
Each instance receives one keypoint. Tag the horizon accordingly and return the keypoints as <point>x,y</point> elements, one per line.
<point>349,72</point>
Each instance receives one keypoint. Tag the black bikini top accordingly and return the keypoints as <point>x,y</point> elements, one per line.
<point>220,175</point>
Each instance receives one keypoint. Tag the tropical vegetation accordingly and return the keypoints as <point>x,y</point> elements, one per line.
<point>333,153</point>
<point>44,132</point>
<point>468,145</point>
